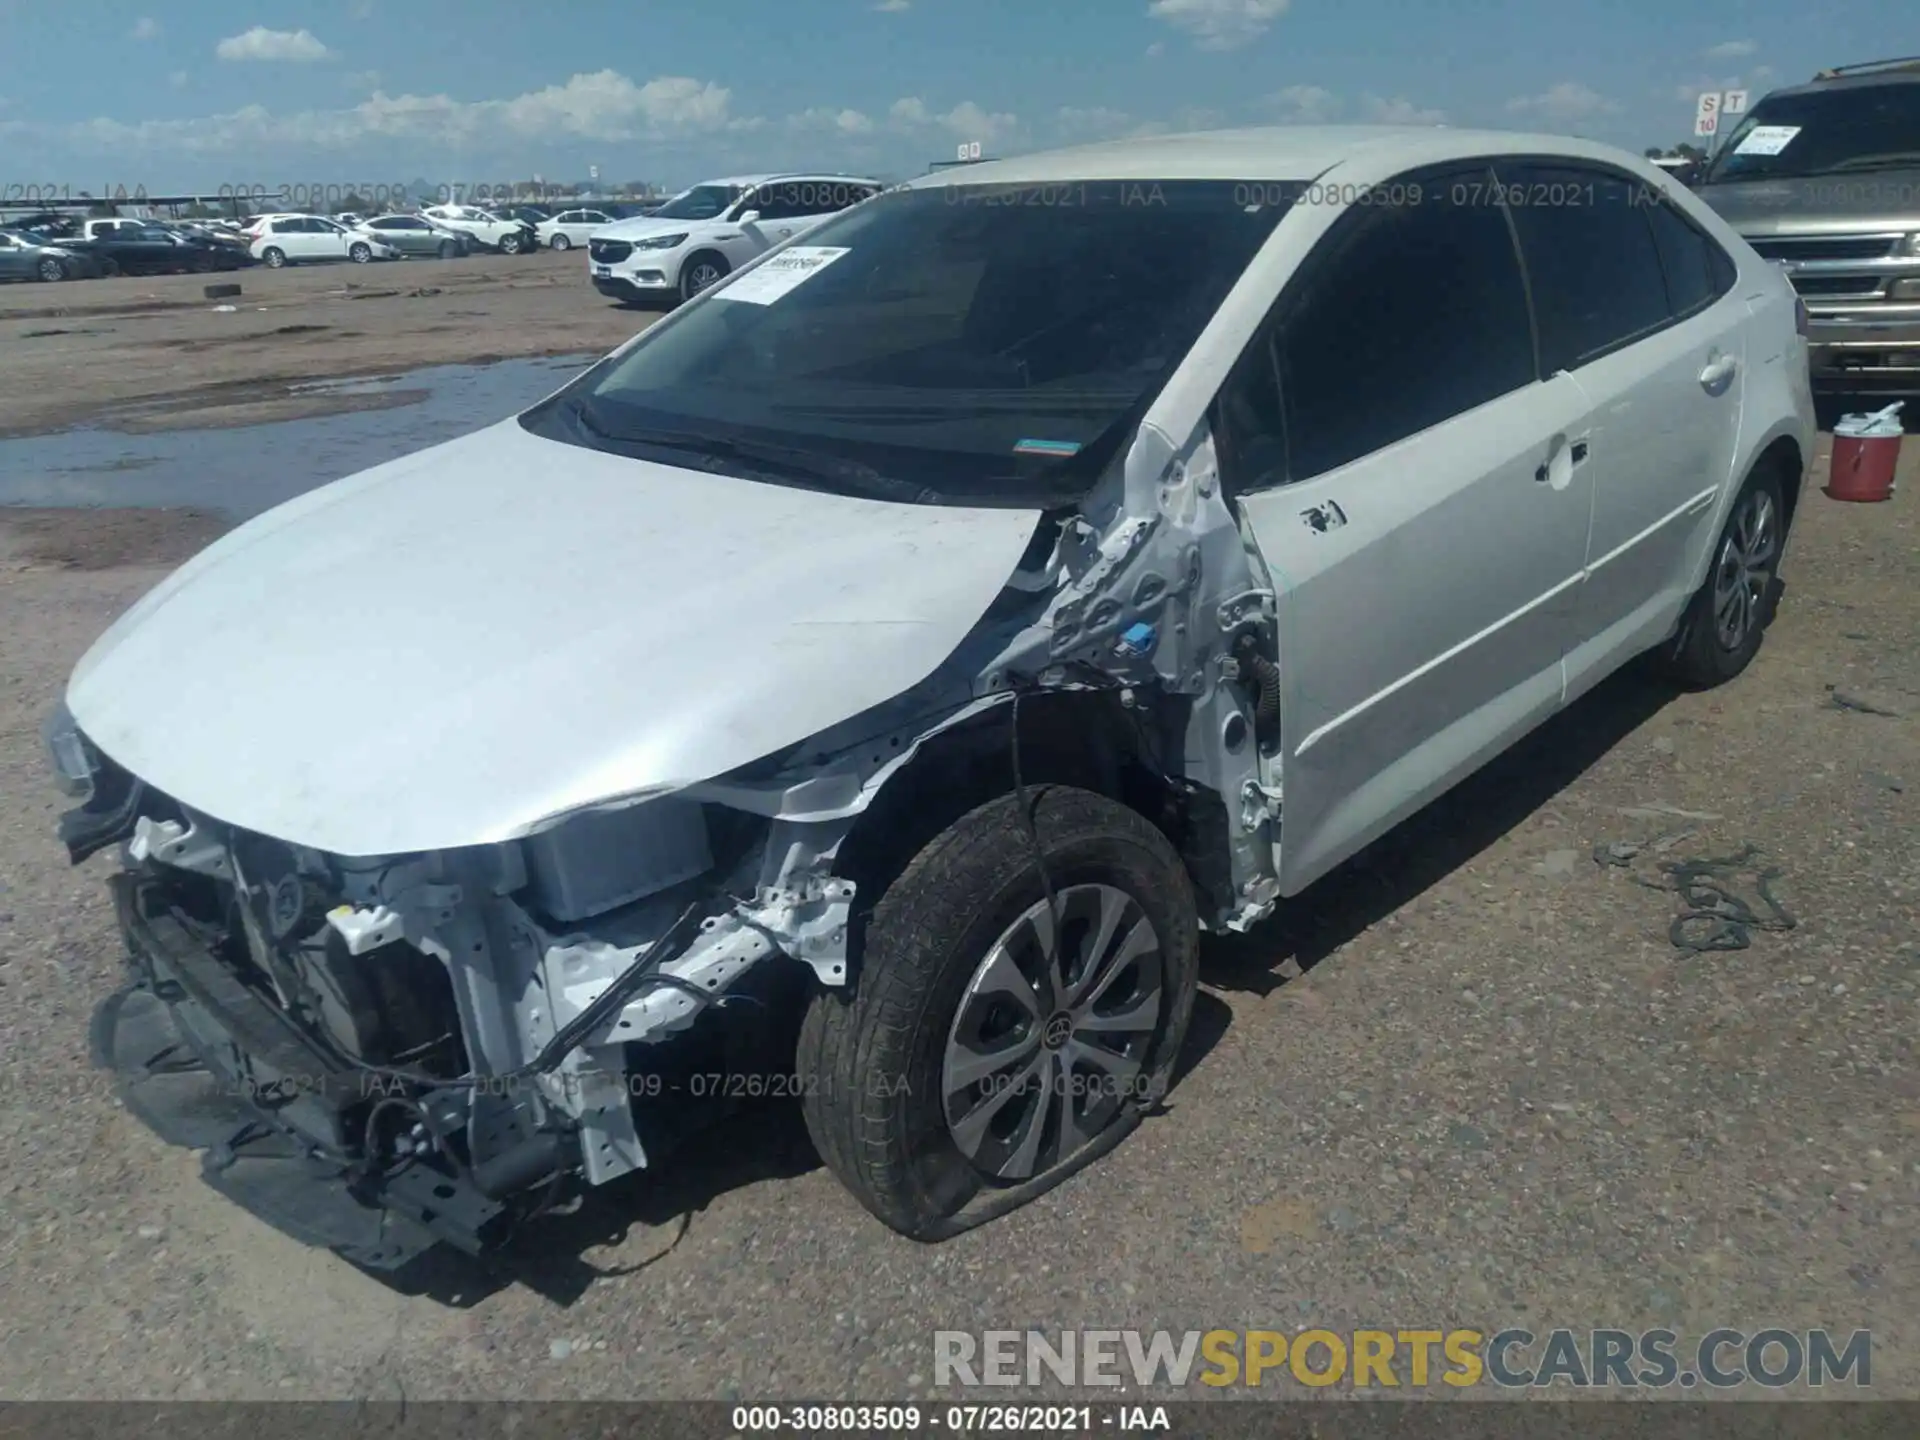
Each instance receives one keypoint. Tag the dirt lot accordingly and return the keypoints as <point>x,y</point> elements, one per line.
<point>1466,1081</point>
<point>121,352</point>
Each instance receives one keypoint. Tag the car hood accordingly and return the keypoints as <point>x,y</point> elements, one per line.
<point>1820,204</point>
<point>643,226</point>
<point>451,647</point>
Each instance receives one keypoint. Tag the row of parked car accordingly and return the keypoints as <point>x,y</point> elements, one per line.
<point>52,246</point>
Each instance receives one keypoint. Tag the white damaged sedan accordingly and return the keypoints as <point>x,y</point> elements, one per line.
<point>868,684</point>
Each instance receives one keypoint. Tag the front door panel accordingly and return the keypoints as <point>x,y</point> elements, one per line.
<point>1425,596</point>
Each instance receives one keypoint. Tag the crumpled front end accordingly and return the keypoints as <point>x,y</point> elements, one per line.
<point>379,1054</point>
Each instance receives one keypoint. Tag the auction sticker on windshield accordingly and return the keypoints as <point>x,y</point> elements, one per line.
<point>785,272</point>
<point>1766,140</point>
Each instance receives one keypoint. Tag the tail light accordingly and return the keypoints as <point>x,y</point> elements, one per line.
<point>1799,316</point>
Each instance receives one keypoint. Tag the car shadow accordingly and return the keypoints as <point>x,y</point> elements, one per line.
<point>1432,844</point>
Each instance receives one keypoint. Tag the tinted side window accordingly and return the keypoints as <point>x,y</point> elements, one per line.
<point>1591,259</point>
<point>1403,317</point>
<point>1687,257</point>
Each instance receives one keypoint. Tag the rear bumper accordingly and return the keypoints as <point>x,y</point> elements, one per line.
<point>206,1063</point>
<point>1866,349</point>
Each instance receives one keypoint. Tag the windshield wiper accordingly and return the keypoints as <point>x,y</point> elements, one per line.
<point>789,462</point>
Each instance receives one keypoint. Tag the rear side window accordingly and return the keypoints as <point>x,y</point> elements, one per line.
<point>1404,316</point>
<point>1591,259</point>
<point>1697,270</point>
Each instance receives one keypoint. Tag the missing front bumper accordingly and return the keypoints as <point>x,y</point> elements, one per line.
<point>207,1064</point>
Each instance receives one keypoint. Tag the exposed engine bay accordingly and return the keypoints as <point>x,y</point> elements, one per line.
<point>452,1042</point>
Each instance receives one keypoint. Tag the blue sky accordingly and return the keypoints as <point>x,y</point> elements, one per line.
<point>291,91</point>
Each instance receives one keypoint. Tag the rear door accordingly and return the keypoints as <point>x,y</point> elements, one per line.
<point>1414,488</point>
<point>1630,303</point>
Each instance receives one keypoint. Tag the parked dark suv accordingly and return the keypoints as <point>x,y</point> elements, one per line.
<point>1825,178</point>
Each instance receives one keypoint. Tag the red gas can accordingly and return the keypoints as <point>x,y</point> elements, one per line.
<point>1866,452</point>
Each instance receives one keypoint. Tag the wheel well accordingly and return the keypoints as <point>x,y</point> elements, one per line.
<point>1784,456</point>
<point>706,254</point>
<point>1066,738</point>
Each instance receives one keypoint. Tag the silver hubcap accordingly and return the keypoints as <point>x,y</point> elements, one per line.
<point>1039,1059</point>
<point>1744,569</point>
<point>703,276</point>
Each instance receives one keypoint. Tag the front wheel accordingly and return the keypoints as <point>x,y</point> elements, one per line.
<point>51,269</point>
<point>510,245</point>
<point>560,242</point>
<point>703,270</point>
<point>108,268</point>
<point>993,1044</point>
<point>1722,626</point>
<point>359,252</point>
<point>274,256</point>
<point>448,249</point>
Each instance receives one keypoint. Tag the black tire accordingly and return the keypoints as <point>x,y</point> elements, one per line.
<point>705,263</point>
<point>108,267</point>
<point>51,269</point>
<point>1704,652</point>
<point>448,249</point>
<point>559,242</point>
<point>360,252</point>
<point>509,244</point>
<point>870,1064</point>
<point>274,256</point>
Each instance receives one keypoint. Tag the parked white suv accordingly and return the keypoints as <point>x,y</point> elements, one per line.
<point>929,633</point>
<point>297,239</point>
<point>503,233</point>
<point>705,233</point>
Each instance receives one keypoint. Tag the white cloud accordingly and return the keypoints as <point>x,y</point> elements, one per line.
<point>606,105</point>
<point>145,28</point>
<point>1219,24</point>
<point>1156,49</point>
<point>1731,50</point>
<point>178,79</point>
<point>840,122</point>
<point>1568,101</point>
<point>602,106</point>
<point>965,121</point>
<point>361,80</point>
<point>1304,104</point>
<point>1398,111</point>
<point>1761,73</point>
<point>260,43</point>
<point>693,120</point>
<point>893,7</point>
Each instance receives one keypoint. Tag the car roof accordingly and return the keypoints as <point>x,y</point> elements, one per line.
<point>746,181</point>
<point>1865,80</point>
<point>1275,152</point>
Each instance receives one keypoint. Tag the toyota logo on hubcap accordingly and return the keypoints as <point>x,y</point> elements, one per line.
<point>1059,1030</point>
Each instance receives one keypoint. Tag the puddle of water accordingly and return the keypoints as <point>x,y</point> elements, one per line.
<point>244,471</point>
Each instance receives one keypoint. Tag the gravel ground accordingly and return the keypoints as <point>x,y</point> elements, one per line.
<point>118,353</point>
<point>1465,1081</point>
